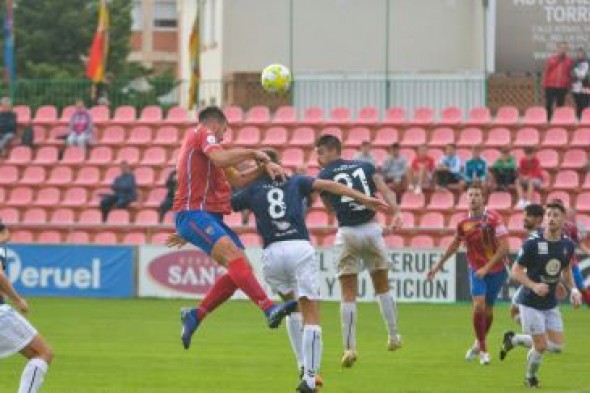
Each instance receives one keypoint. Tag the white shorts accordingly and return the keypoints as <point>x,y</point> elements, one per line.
<point>358,246</point>
<point>538,322</point>
<point>291,266</point>
<point>15,331</point>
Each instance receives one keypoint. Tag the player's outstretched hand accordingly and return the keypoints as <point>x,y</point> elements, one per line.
<point>22,305</point>
<point>481,272</point>
<point>275,171</point>
<point>560,291</point>
<point>541,289</point>
<point>261,157</point>
<point>378,205</point>
<point>576,297</point>
<point>432,272</point>
<point>175,240</point>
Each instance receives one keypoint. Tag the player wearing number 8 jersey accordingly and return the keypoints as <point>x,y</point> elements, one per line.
<point>359,238</point>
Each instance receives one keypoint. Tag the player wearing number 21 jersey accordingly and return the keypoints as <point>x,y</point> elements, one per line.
<point>359,238</point>
<point>289,261</point>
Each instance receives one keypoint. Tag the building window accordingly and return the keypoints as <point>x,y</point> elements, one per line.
<point>165,16</point>
<point>136,16</point>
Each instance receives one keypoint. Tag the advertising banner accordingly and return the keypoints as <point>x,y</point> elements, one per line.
<point>70,271</point>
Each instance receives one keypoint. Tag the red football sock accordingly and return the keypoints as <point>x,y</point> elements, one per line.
<point>489,321</point>
<point>222,289</point>
<point>480,325</point>
<point>242,276</point>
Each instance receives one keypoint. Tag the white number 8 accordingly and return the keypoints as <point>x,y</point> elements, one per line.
<point>276,198</point>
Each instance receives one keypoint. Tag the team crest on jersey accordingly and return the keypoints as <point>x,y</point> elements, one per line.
<point>209,230</point>
<point>552,267</point>
<point>282,225</point>
<point>468,226</point>
<point>543,248</point>
<point>211,139</point>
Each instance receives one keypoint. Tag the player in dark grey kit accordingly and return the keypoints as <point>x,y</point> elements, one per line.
<point>359,238</point>
<point>289,260</point>
<point>543,260</point>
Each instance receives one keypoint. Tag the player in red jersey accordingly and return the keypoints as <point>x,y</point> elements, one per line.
<point>205,176</point>
<point>485,237</point>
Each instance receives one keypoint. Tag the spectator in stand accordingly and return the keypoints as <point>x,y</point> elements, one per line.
<point>81,128</point>
<point>125,192</point>
<point>7,123</point>
<point>581,81</point>
<point>395,169</point>
<point>476,170</point>
<point>364,154</point>
<point>421,171</point>
<point>449,167</point>
<point>504,170</point>
<point>166,205</point>
<point>556,80</point>
<point>530,175</point>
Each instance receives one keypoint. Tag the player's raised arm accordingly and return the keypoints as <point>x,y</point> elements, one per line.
<point>223,158</point>
<point>333,187</point>
<point>241,179</point>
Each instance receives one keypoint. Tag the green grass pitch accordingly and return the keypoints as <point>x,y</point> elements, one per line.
<point>133,346</point>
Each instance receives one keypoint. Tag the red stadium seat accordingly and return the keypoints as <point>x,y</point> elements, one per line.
<point>66,114</point>
<point>555,137</point>
<point>146,217</point>
<point>129,154</point>
<point>35,216</point>
<point>90,217</point>
<point>62,216</point>
<point>154,156</point>
<point>124,115</point>
<point>583,219</point>
<point>20,196</point>
<point>249,136</point>
<point>507,116</point>
<point>75,196</point>
<point>451,116</point>
<point>437,153</point>
<point>2,195</point>
<point>144,176</point>
<point>499,137</point>
<point>565,116</point>
<point>49,237</point>
<point>395,116</point>
<point>583,201</point>
<point>414,136</point>
<point>380,155</point>
<point>100,114</point>
<point>73,156</point>
<point>118,217</point>
<point>174,157</point>
<point>8,174</point>
<point>39,135</point>
<point>317,218</point>
<point>432,220</point>
<point>151,114</point>
<point>136,238</point>
<point>78,237</point>
<point>101,155</point>
<point>234,114</point>
<point>285,115</point>
<point>20,155</point>
<point>514,243</point>
<point>535,115</point>
<point>490,155</point>
<point>349,153</point>
<point>113,135</point>
<point>105,238</point>
<point>574,159</point>
<point>455,219</point>
<point>23,114</point>
<point>46,114</point>
<point>250,240</point>
<point>411,201</point>
<point>423,116</point>
<point>166,136</point>
<point>516,221</point>
<point>394,241</point>
<point>155,197</point>
<point>422,241</point>
<point>275,136</point>
<point>479,116</point>
<point>462,204</point>
<point>9,215</point>
<point>581,137</point>
<point>445,241</point>
<point>561,195</point>
<point>368,116</point>
<point>164,173</point>
<point>159,238</point>
<point>585,120</point>
<point>303,136</point>
<point>500,200</point>
<point>57,135</point>
<point>46,155</point>
<point>586,184</point>
<point>527,136</point>
<point>470,136</point>
<point>259,114</point>
<point>335,131</point>
<point>21,237</point>
<point>566,180</point>
<point>441,200</point>
<point>87,176</point>
<point>49,196</point>
<point>141,136</point>
<point>33,175</point>
<point>176,115</point>
<point>442,136</point>
<point>357,135</point>
<point>339,115</point>
<point>549,158</point>
<point>386,136</point>
<point>313,115</point>
<point>292,157</point>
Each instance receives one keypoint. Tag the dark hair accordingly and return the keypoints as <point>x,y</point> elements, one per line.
<point>212,113</point>
<point>476,186</point>
<point>329,141</point>
<point>534,210</point>
<point>529,150</point>
<point>556,205</point>
<point>272,154</point>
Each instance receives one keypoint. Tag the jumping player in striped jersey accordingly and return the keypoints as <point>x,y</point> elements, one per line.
<point>205,176</point>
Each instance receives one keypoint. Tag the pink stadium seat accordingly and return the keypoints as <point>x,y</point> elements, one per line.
<point>259,114</point>
<point>380,155</point>
<point>100,114</point>
<point>9,215</point>
<point>141,135</point>
<point>234,114</point>
<point>549,158</point>
<point>411,201</point>
<point>490,155</point>
<point>46,155</point>
<point>507,116</point>
<point>337,132</point>
<point>286,115</point>
<point>414,136</point>
<point>62,216</point>
<point>574,159</point>
<point>87,176</point>
<point>479,116</point>
<point>8,174</point>
<point>118,217</point>
<point>349,153</point>
<point>441,200</point>
<point>2,195</point>
<point>49,196</point>
<point>566,180</point>
<point>248,136</point>
<point>177,116</point>
<point>462,204</point>
<point>464,155</point>
<point>394,241</point>
<point>292,157</point>
<point>555,137</point>
<point>250,240</point>
<point>35,216</point>
<point>159,238</point>
<point>155,197</point>
<point>442,136</point>
<point>422,241</point>
<point>581,137</point>
<point>136,238</point>
<point>164,173</point>
<point>67,113</point>
<point>144,176</point>
<point>46,114</point>
<point>565,116</point>
<point>535,115</point>
<point>20,155</point>
<point>146,217</point>
<point>75,197</point>
<point>386,136</point>
<point>436,154</point>
<point>166,136</point>
<point>124,115</point>
<point>23,114</point>
<point>470,136</point>
<point>583,201</point>
<point>317,218</point>
<point>455,219</point>
<point>500,200</point>
<point>90,217</point>
<point>339,115</point>
<point>57,135</point>
<point>154,156</point>
<point>20,196</point>
<point>174,157</point>
<point>395,116</point>
<point>313,115</point>
<point>432,220</point>
<point>561,195</point>
<point>275,136</point>
<point>21,237</point>
<point>129,154</point>
<point>33,175</point>
<point>586,184</point>
<point>368,115</point>
<point>527,136</point>
<point>515,222</point>
<point>445,241</point>
<point>39,135</point>
<point>451,116</point>
<point>357,135</point>
<point>423,116</point>
<point>105,238</point>
<point>78,237</point>
<point>514,243</point>
<point>101,155</point>
<point>49,237</point>
<point>498,137</point>
<point>303,136</point>
<point>73,156</point>
<point>151,114</point>
<point>113,135</point>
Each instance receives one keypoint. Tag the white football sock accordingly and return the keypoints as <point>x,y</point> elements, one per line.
<point>554,347</point>
<point>295,331</point>
<point>522,340</point>
<point>533,362</point>
<point>348,319</point>
<point>312,353</point>
<point>32,376</point>
<point>389,312</point>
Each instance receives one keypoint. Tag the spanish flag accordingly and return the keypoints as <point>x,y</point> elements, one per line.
<point>194,55</point>
<point>99,49</point>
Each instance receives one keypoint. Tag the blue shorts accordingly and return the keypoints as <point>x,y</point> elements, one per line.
<point>578,278</point>
<point>489,286</point>
<point>203,229</point>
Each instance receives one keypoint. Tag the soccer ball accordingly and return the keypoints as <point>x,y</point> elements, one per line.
<point>276,78</point>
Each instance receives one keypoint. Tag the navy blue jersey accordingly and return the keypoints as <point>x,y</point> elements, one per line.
<point>353,174</point>
<point>544,262</point>
<point>278,207</point>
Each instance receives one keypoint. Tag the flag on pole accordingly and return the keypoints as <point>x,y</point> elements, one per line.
<point>194,56</point>
<point>9,69</point>
<point>95,68</point>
